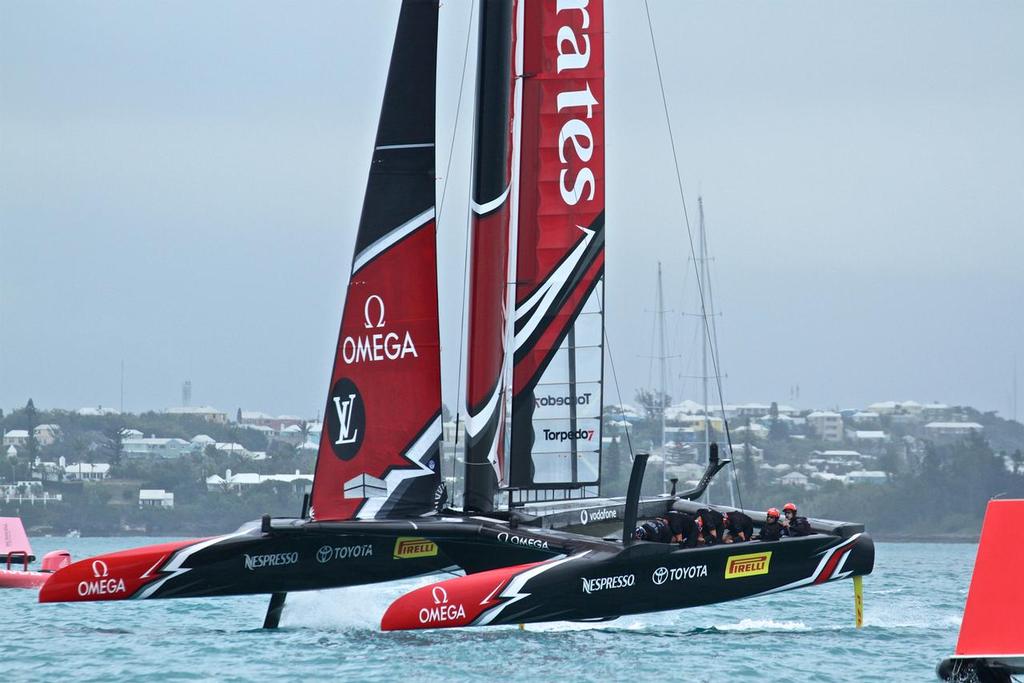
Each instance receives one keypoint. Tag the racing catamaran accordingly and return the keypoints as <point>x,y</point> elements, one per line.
<point>377,511</point>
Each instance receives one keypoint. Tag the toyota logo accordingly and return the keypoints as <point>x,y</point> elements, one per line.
<point>99,569</point>
<point>584,517</point>
<point>323,555</point>
<point>660,576</point>
<point>440,595</point>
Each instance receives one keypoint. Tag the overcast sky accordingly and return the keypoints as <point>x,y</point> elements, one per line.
<point>180,185</point>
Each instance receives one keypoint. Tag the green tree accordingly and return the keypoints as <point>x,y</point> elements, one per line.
<point>31,419</point>
<point>653,403</point>
<point>889,461</point>
<point>115,445</point>
<point>614,466</point>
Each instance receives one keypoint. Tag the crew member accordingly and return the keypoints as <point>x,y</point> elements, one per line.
<point>684,528</point>
<point>794,525</point>
<point>739,527</point>
<point>656,530</point>
<point>712,526</point>
<point>771,530</point>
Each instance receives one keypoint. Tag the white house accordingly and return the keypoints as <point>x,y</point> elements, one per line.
<point>46,434</point>
<point>98,411</point>
<point>232,448</point>
<point>155,447</point>
<point>757,431</point>
<point>826,424</point>
<point>828,476</point>
<point>156,498</point>
<point>243,480</point>
<point>86,471</point>
<point>873,436</point>
<point>206,412</point>
<point>15,437</point>
<point>866,477</point>
<point>794,479</point>
<point>951,429</point>
<point>865,418</point>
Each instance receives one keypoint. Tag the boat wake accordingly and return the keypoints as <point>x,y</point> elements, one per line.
<point>343,609</point>
<point>762,625</point>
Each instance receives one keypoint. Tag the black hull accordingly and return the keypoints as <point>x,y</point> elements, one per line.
<point>523,574</point>
<point>609,582</point>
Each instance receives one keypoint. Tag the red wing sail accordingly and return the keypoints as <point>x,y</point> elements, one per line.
<point>995,603</point>
<point>559,319</point>
<point>488,290</point>
<point>380,446</point>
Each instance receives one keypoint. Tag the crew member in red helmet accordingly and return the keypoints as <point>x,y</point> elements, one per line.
<point>792,524</point>
<point>771,530</point>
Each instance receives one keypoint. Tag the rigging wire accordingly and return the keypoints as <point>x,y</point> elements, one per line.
<point>689,231</point>
<point>465,258</point>
<point>615,378</point>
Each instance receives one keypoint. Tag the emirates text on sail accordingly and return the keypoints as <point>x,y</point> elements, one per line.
<point>575,56</point>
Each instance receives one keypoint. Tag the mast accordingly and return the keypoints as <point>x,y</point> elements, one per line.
<point>704,333</point>
<point>661,370</point>
<point>489,267</point>
<point>710,344</point>
<point>661,354</point>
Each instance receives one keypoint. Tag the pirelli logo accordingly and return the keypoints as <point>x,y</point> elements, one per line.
<point>407,548</point>
<point>751,564</point>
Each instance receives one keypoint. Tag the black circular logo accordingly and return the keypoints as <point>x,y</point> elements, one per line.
<point>345,419</point>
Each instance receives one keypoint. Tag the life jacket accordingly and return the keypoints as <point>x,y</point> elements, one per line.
<point>771,531</point>
<point>799,526</point>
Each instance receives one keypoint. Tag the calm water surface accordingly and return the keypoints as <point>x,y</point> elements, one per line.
<point>913,605</point>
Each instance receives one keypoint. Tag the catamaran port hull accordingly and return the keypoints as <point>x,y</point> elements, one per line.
<point>298,555</point>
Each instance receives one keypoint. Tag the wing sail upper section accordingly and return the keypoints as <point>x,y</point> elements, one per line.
<point>559,266</point>
<point>380,446</point>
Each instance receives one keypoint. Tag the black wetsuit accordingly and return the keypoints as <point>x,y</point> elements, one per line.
<point>657,530</point>
<point>711,520</point>
<point>684,524</point>
<point>771,531</point>
<point>798,526</point>
<point>740,523</point>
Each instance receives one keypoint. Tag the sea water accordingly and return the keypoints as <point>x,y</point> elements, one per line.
<point>913,603</point>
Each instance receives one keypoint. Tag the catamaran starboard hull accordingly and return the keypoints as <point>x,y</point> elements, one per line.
<point>646,577</point>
